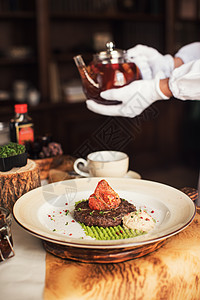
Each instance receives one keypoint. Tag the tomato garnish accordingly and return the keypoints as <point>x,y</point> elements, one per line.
<point>104,197</point>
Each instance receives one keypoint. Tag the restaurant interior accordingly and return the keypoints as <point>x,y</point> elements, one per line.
<point>38,40</point>
<point>86,238</point>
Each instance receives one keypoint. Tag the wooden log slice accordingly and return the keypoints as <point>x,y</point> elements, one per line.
<point>17,182</point>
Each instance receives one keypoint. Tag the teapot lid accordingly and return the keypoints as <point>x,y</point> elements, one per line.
<point>110,53</point>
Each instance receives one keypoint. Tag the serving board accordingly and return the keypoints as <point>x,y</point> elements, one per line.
<point>100,255</point>
<point>171,272</point>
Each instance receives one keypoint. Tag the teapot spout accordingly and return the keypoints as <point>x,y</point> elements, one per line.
<point>87,80</point>
<point>79,61</point>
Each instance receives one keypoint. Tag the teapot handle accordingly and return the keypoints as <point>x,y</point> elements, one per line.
<point>76,168</point>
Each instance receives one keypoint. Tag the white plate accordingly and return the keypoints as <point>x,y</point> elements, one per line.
<point>42,210</point>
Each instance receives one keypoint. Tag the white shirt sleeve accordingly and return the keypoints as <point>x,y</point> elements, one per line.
<point>189,52</point>
<point>184,82</point>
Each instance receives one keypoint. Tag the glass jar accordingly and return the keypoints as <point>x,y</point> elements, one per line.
<point>6,242</point>
<point>4,133</point>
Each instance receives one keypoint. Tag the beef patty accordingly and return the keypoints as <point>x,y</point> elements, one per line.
<point>104,218</point>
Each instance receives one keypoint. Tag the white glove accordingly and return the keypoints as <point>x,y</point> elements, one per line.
<point>184,81</point>
<point>157,62</point>
<point>189,52</point>
<point>142,63</point>
<point>135,98</point>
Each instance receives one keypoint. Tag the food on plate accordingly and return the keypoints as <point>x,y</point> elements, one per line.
<point>139,220</point>
<point>105,218</point>
<point>104,207</point>
<point>111,233</point>
<point>104,197</point>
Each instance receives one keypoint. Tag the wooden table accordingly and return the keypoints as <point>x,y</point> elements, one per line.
<point>171,272</point>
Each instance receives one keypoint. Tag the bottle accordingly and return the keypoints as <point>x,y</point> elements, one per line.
<point>21,126</point>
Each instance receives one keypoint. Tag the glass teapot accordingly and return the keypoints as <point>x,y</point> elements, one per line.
<point>108,69</point>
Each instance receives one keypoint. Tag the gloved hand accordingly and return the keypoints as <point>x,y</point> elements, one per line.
<point>135,98</point>
<point>142,63</point>
<point>157,62</point>
<point>189,52</point>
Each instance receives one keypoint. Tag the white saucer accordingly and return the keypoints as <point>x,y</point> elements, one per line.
<point>129,174</point>
<point>132,174</point>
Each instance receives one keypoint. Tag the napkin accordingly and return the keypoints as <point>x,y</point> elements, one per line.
<point>22,277</point>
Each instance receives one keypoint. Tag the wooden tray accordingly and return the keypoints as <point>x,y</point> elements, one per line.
<point>101,255</point>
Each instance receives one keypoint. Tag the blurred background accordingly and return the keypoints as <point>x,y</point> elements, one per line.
<point>38,39</point>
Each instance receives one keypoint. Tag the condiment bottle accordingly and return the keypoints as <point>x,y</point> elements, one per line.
<point>21,126</point>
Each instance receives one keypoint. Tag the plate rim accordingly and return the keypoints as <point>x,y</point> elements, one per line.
<point>128,243</point>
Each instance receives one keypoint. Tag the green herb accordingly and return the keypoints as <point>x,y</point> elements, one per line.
<point>66,223</point>
<point>101,212</point>
<point>54,229</point>
<point>110,233</point>
<point>79,209</point>
<point>11,149</point>
<point>77,202</point>
<point>66,213</point>
<point>91,213</point>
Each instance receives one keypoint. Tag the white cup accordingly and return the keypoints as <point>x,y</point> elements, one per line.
<point>103,164</point>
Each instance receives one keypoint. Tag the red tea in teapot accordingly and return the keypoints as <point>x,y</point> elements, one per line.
<point>109,69</point>
<point>100,77</point>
